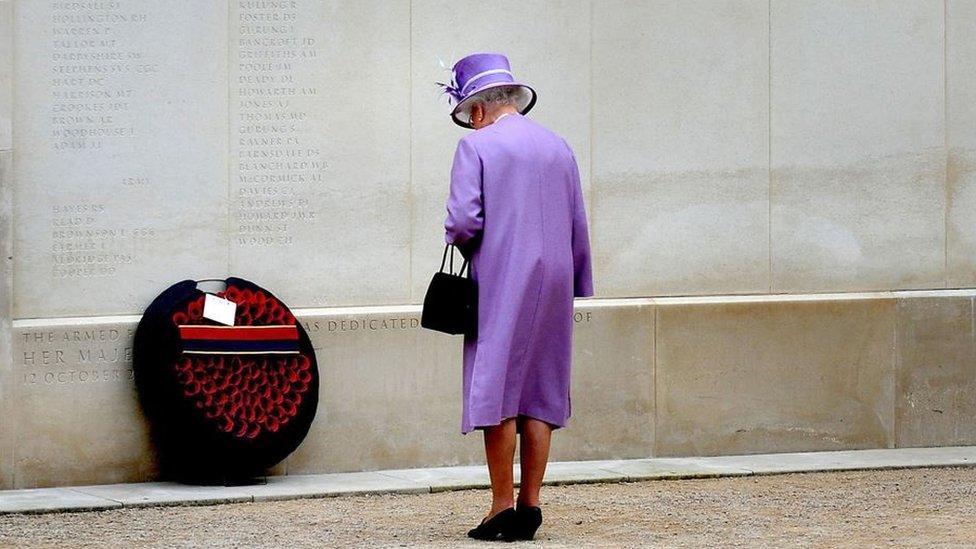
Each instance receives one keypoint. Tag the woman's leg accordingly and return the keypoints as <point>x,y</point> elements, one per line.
<point>500,454</point>
<point>533,456</point>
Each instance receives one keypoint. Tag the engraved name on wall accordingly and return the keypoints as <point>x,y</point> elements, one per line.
<point>120,144</point>
<point>96,78</point>
<point>275,157</point>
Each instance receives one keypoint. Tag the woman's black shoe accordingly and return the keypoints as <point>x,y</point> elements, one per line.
<point>527,520</point>
<point>499,527</point>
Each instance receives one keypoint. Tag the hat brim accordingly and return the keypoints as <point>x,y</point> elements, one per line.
<point>466,103</point>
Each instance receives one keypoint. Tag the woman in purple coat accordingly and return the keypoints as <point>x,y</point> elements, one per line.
<point>516,211</point>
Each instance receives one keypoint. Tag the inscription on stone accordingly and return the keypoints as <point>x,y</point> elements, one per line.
<point>275,157</point>
<point>73,356</point>
<point>96,76</point>
<point>364,324</point>
<point>582,316</point>
<point>121,143</point>
<point>319,173</point>
<point>89,103</point>
<point>376,324</point>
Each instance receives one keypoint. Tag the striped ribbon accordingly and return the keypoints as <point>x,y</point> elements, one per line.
<point>235,340</point>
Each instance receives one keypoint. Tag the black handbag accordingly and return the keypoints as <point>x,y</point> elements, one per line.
<point>451,302</point>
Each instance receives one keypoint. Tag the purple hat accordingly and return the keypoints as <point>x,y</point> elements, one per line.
<point>477,72</point>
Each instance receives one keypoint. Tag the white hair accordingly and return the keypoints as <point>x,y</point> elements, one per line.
<point>516,96</point>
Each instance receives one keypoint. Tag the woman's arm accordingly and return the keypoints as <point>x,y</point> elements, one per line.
<point>582,268</point>
<point>465,212</point>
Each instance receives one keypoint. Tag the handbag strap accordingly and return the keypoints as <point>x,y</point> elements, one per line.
<point>463,264</point>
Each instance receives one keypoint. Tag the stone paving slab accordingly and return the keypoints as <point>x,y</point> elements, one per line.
<point>440,479</point>
<point>580,472</point>
<point>310,486</point>
<point>43,500</point>
<point>114,496</point>
<point>476,476</point>
<point>847,460</point>
<point>153,494</point>
<point>673,468</point>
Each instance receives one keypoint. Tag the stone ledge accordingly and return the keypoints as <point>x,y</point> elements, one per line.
<point>414,481</point>
<point>653,377</point>
<point>404,380</point>
<point>579,303</point>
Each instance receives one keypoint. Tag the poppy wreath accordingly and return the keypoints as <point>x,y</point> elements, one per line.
<point>231,402</point>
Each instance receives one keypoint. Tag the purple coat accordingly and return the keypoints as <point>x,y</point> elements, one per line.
<point>516,210</point>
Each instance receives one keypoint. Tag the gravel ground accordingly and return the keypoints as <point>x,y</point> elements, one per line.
<point>914,507</point>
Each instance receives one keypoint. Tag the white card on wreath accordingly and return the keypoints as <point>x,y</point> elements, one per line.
<point>219,309</point>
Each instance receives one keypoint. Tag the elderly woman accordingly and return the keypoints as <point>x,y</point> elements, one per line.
<point>515,210</point>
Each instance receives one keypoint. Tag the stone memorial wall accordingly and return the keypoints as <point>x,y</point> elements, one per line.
<point>781,197</point>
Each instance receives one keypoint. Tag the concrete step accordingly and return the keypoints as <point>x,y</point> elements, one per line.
<point>408,481</point>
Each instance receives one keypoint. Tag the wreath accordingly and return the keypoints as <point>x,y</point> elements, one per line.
<point>224,401</point>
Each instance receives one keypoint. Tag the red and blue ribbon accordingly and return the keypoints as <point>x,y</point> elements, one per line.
<point>233,340</point>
